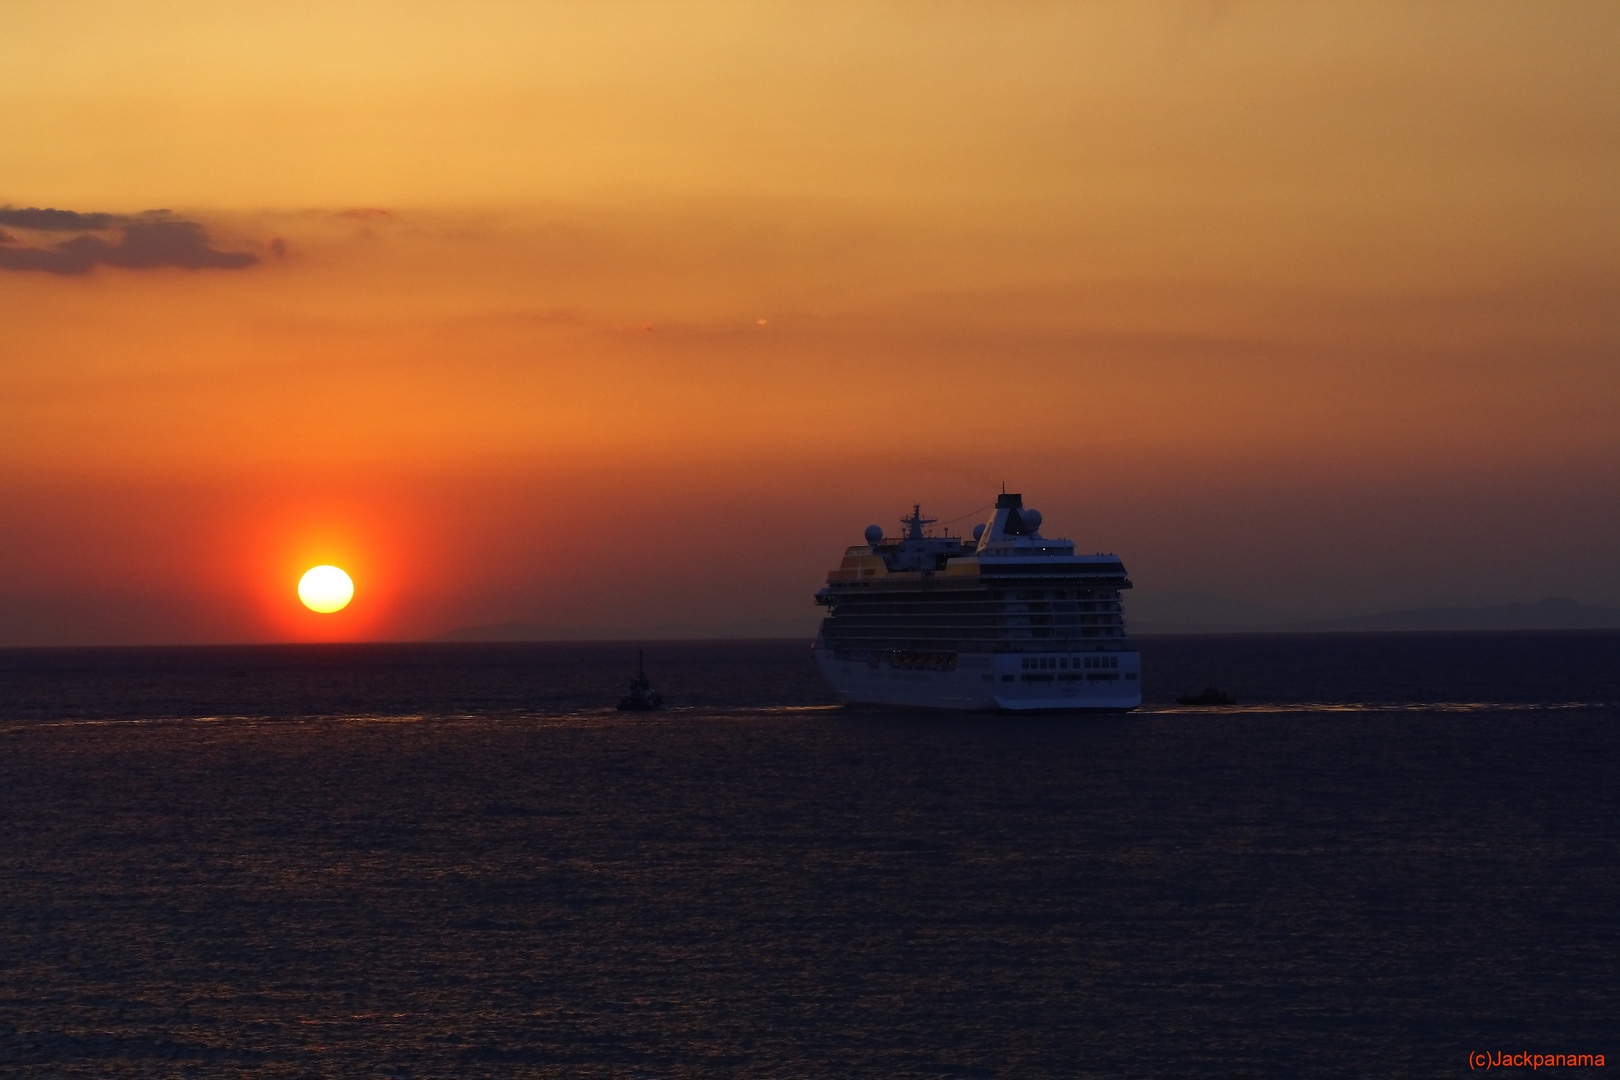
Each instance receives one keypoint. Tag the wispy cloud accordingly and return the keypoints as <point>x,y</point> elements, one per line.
<point>139,242</point>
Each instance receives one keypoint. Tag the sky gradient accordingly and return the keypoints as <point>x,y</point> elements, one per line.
<point>626,318</point>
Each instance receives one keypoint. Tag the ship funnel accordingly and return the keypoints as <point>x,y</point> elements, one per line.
<point>1010,520</point>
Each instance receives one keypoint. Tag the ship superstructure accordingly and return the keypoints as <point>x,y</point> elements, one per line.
<point>1005,620</point>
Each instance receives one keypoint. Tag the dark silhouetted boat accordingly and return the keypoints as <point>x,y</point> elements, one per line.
<point>642,697</point>
<point>1207,696</point>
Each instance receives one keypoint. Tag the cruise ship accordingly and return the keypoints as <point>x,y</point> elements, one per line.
<point>1006,620</point>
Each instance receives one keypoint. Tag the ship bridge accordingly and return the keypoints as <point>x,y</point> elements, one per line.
<point>1007,589</point>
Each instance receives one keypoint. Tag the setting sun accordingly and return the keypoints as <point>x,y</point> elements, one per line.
<point>325,589</point>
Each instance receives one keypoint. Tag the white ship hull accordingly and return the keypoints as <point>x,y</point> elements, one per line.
<point>991,682</point>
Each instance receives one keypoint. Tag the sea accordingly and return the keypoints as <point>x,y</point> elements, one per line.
<point>1395,853</point>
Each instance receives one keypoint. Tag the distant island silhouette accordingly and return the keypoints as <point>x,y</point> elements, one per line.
<point>804,627</point>
<point>1553,613</point>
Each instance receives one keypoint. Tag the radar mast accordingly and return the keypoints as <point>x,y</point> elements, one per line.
<point>914,524</point>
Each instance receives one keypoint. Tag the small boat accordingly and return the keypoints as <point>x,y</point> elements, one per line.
<point>642,697</point>
<point>1208,696</point>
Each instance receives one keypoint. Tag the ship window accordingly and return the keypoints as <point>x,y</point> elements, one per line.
<point>1026,663</point>
<point>1063,663</point>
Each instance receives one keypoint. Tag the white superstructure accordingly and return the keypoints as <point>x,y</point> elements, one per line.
<point>1005,620</point>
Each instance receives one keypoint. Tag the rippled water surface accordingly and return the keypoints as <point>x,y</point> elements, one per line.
<point>454,861</point>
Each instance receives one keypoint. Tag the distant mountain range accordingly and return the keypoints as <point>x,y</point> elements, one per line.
<point>1553,613</point>
<point>1185,615</point>
<point>519,631</point>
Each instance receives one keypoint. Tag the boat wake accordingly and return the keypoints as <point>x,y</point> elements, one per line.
<point>1380,707</point>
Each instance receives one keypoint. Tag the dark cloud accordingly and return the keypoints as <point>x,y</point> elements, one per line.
<point>144,241</point>
<point>46,220</point>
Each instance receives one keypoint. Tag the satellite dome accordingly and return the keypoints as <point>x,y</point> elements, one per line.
<point>978,530</point>
<point>874,535</point>
<point>1032,519</point>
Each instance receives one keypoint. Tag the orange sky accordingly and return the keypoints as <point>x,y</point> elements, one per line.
<point>625,318</point>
